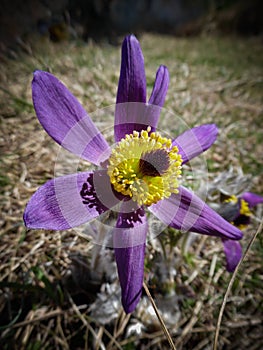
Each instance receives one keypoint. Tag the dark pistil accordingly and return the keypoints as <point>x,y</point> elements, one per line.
<point>154,163</point>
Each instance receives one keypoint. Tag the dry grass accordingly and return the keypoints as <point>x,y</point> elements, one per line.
<point>46,278</point>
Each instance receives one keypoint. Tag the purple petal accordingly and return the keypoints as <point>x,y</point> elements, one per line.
<point>135,117</point>
<point>132,82</point>
<point>131,88</point>
<point>129,245</point>
<point>69,201</point>
<point>195,141</point>
<point>65,120</point>
<point>160,87</point>
<point>233,253</point>
<point>252,199</point>
<point>185,211</point>
<point>156,101</point>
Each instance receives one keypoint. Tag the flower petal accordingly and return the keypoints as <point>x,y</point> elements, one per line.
<point>69,201</point>
<point>135,116</point>
<point>195,141</point>
<point>185,211</point>
<point>160,87</point>
<point>132,82</point>
<point>157,98</point>
<point>65,120</point>
<point>131,88</point>
<point>129,245</point>
<point>252,199</point>
<point>233,253</point>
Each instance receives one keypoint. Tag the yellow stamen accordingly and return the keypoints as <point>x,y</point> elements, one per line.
<point>145,167</point>
<point>231,199</point>
<point>243,211</point>
<point>244,208</point>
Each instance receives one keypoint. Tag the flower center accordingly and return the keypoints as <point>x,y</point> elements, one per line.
<point>145,167</point>
<point>242,213</point>
<point>154,163</point>
<point>244,208</point>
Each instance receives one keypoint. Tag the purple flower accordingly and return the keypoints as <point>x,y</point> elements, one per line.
<point>237,210</point>
<point>140,172</point>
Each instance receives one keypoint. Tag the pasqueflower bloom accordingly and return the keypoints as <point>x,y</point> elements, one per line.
<point>237,210</point>
<point>141,172</point>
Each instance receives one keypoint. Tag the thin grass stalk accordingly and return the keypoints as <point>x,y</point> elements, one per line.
<point>219,320</point>
<point>165,330</point>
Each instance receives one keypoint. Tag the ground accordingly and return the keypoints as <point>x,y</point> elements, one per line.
<point>46,280</point>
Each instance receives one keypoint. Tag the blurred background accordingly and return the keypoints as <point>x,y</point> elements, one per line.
<point>108,19</point>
